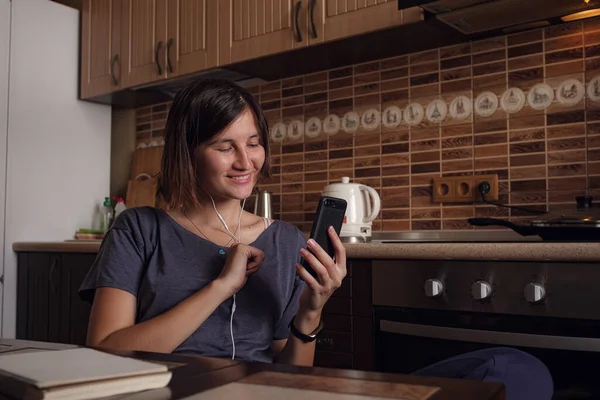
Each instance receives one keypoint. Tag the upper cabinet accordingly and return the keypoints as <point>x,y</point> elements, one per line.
<point>101,55</point>
<point>131,43</point>
<point>128,43</point>
<point>255,28</point>
<point>192,41</point>
<point>144,41</point>
<point>338,19</point>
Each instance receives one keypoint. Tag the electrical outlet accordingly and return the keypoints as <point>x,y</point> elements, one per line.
<point>464,189</point>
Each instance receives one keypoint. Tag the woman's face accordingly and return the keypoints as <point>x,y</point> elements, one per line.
<point>230,164</point>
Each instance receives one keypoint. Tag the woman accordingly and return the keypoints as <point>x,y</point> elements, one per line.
<point>208,278</point>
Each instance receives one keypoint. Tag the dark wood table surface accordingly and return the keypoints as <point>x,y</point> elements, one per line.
<point>194,375</point>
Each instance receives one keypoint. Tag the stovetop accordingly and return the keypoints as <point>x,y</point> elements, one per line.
<point>451,236</point>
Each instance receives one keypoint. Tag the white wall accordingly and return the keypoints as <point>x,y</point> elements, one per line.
<point>58,149</point>
<point>4,62</point>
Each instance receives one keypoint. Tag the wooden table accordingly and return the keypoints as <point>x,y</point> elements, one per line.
<point>199,378</point>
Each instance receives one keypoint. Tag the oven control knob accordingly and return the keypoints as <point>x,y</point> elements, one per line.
<point>535,293</point>
<point>481,290</point>
<point>433,288</point>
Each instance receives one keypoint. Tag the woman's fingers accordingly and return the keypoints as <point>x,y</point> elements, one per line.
<point>336,269</point>
<point>316,265</point>
<point>322,256</point>
<point>250,256</point>
<point>340,250</point>
<point>308,278</point>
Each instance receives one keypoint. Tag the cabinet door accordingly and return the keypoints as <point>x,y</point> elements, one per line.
<point>255,28</point>
<point>75,313</point>
<point>144,43</point>
<point>192,43</point>
<point>38,309</point>
<point>338,19</point>
<point>100,47</point>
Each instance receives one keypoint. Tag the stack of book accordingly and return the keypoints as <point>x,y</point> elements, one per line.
<point>77,374</point>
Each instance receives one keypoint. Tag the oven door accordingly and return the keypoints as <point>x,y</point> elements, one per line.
<point>407,339</point>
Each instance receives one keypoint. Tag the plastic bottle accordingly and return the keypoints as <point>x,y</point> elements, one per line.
<point>119,207</point>
<point>107,213</point>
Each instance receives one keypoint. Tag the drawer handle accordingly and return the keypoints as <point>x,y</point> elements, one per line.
<point>313,4</point>
<point>169,66</point>
<point>156,60</point>
<point>297,26</point>
<point>112,69</point>
<point>53,285</point>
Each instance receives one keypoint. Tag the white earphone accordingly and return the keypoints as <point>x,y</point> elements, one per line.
<point>239,240</point>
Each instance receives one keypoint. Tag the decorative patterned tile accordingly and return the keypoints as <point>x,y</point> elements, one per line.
<point>545,156</point>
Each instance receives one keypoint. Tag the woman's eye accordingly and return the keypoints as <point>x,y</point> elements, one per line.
<point>254,144</point>
<point>224,150</point>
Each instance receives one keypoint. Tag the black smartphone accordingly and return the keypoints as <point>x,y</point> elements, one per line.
<point>330,212</point>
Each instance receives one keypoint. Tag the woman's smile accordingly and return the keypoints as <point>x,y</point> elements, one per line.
<point>241,179</point>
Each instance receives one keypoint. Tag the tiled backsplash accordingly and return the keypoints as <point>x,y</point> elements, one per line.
<point>544,155</point>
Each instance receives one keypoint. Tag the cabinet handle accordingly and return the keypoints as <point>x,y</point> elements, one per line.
<point>112,69</point>
<point>313,27</point>
<point>53,288</point>
<point>169,66</point>
<point>156,60</point>
<point>296,13</point>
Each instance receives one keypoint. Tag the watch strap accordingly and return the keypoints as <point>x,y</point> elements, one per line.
<point>304,337</point>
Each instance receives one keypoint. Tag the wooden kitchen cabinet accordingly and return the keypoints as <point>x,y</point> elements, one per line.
<point>192,41</point>
<point>48,306</point>
<point>347,338</point>
<point>339,19</point>
<point>255,28</point>
<point>144,41</point>
<point>132,43</point>
<point>101,54</point>
<point>167,38</point>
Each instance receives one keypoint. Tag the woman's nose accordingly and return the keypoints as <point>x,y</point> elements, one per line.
<point>242,160</point>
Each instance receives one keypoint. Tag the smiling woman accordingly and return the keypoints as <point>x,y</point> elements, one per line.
<point>203,276</point>
<point>215,130</point>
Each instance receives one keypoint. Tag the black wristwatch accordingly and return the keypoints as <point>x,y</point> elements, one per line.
<point>306,338</point>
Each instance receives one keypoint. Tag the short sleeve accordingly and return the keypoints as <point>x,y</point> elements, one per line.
<point>282,330</point>
<point>120,261</point>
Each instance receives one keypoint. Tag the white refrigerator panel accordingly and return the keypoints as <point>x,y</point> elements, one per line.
<point>4,63</point>
<point>58,148</point>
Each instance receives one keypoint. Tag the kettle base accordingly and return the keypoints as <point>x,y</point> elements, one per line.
<point>355,239</point>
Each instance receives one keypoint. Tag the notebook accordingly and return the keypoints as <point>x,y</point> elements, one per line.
<point>77,374</point>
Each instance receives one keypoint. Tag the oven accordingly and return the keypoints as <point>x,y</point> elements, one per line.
<point>426,311</point>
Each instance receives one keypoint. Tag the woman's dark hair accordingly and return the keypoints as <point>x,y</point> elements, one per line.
<point>199,113</point>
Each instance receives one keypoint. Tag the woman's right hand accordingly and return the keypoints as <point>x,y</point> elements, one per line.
<point>242,261</point>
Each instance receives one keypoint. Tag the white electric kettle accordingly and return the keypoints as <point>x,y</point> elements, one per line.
<point>360,213</point>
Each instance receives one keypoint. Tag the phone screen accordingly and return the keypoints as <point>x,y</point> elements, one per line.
<point>330,212</point>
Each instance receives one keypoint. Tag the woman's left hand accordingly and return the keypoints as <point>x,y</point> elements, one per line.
<point>330,273</point>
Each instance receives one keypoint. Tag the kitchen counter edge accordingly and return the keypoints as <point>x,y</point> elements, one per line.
<point>57,247</point>
<point>517,251</point>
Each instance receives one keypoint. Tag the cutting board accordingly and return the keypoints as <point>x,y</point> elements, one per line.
<point>146,161</point>
<point>141,191</point>
<point>277,385</point>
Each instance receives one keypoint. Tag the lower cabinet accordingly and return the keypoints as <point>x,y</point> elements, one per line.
<point>347,339</point>
<point>48,307</point>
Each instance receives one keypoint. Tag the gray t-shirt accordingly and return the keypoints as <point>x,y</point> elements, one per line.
<point>151,256</point>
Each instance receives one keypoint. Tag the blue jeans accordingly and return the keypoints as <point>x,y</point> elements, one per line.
<point>524,376</point>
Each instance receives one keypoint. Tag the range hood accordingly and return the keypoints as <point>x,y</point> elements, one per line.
<point>476,17</point>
